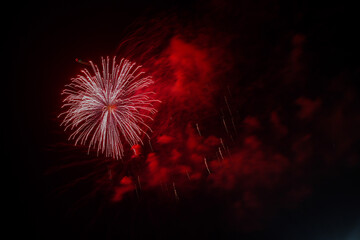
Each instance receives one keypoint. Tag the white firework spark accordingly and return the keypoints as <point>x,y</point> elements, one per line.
<point>106,107</point>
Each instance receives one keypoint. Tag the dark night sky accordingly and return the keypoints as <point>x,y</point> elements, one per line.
<point>45,38</point>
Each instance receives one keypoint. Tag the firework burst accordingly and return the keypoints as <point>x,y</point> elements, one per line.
<point>109,106</point>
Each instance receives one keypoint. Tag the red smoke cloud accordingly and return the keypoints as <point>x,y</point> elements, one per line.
<point>185,75</point>
<point>193,73</point>
<point>185,152</point>
<point>308,107</point>
<point>253,142</point>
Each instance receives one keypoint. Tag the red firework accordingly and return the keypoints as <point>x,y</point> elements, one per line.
<point>106,107</point>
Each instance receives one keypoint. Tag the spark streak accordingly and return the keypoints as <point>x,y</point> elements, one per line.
<point>198,129</point>
<point>206,165</point>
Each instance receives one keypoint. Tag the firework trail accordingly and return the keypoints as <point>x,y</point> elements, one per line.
<point>108,106</point>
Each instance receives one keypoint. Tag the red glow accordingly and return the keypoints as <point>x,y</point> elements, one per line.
<point>205,138</point>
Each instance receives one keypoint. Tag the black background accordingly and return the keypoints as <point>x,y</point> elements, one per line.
<point>43,41</point>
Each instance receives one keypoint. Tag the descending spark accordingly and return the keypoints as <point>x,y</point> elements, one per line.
<point>175,192</point>
<point>206,165</point>
<point>198,129</point>
<point>227,104</point>
<point>222,157</point>
<point>138,179</point>
<point>228,88</point>
<point>223,120</point>
<point>106,107</point>
<point>233,124</point>
<point>188,175</point>
<point>222,143</point>
<point>151,145</point>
